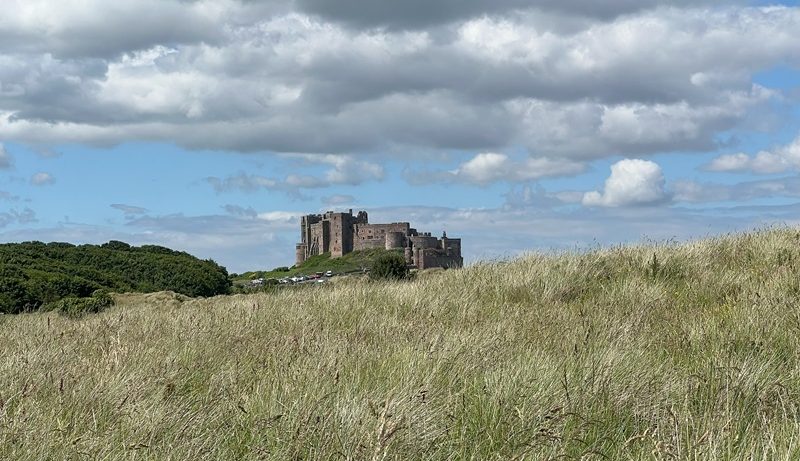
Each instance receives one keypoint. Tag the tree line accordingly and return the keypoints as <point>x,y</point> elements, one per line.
<point>34,275</point>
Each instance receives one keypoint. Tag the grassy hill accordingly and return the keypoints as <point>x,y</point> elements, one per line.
<point>350,262</point>
<point>35,274</point>
<point>650,352</point>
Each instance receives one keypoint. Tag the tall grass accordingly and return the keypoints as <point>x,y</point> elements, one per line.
<point>651,352</point>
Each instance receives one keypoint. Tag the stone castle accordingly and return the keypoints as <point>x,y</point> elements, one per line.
<point>342,233</point>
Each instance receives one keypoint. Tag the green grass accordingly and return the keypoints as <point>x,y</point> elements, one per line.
<point>613,354</point>
<point>350,262</point>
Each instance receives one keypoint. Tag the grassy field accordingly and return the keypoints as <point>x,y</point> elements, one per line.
<point>653,352</point>
<point>351,262</point>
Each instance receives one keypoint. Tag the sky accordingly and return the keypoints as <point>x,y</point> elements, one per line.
<point>211,126</point>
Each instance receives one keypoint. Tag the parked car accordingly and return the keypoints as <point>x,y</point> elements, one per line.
<point>329,274</point>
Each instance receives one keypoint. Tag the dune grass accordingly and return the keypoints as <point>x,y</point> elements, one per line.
<point>666,351</point>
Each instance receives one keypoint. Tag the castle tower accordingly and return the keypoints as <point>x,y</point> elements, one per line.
<point>394,240</point>
<point>300,253</point>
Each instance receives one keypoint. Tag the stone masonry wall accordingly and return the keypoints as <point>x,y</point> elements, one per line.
<point>368,236</point>
<point>436,258</point>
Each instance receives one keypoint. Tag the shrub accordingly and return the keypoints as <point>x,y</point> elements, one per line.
<point>78,307</point>
<point>389,267</point>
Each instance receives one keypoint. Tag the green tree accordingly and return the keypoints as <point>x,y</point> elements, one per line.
<point>33,274</point>
<point>389,266</point>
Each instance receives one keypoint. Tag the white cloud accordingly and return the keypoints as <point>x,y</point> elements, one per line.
<point>354,172</point>
<point>778,160</point>
<point>730,162</point>
<point>485,168</point>
<point>281,216</point>
<point>490,167</point>
<point>42,179</point>
<point>632,182</point>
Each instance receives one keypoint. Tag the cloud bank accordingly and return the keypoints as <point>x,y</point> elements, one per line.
<point>341,77</point>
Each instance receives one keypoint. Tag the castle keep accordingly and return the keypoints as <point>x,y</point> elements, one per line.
<point>342,233</point>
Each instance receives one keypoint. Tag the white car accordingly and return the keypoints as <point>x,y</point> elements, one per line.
<point>329,274</point>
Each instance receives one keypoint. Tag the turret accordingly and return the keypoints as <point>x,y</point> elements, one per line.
<point>300,253</point>
<point>394,240</point>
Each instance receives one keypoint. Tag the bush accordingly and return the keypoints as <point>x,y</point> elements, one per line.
<point>78,307</point>
<point>389,267</point>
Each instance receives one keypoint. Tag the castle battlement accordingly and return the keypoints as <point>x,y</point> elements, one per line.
<point>341,233</point>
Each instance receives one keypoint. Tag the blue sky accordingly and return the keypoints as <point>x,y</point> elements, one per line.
<point>211,126</point>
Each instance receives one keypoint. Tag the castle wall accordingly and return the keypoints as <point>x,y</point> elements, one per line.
<point>428,258</point>
<point>451,246</point>
<point>319,241</point>
<point>368,236</point>
<point>425,241</point>
<point>360,245</point>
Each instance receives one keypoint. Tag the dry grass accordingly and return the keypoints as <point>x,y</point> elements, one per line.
<point>612,355</point>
